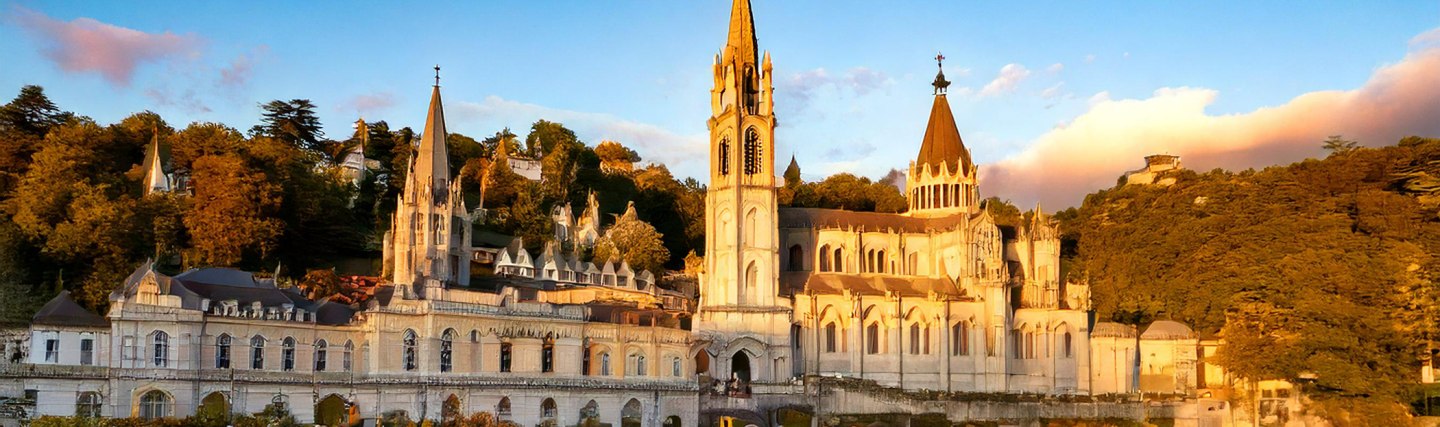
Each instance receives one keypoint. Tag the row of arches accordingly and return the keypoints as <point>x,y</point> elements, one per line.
<point>831,259</point>
<point>596,358</point>
<point>319,361</point>
<point>941,196</point>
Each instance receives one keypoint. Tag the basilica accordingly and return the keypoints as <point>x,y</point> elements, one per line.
<point>938,298</point>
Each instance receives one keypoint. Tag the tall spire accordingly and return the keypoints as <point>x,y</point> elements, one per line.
<point>432,162</point>
<point>740,46</point>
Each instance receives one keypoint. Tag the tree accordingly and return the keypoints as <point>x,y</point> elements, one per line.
<point>616,157</point>
<point>633,241</point>
<point>1337,145</point>
<point>545,135</point>
<point>234,213</point>
<point>321,283</point>
<point>31,113</point>
<point>294,122</point>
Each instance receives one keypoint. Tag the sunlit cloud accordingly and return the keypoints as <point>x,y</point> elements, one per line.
<point>238,72</point>
<point>1006,81</point>
<point>85,45</point>
<point>1095,148</point>
<point>369,103</point>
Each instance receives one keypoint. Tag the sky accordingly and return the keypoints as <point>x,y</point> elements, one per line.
<point>1054,99</point>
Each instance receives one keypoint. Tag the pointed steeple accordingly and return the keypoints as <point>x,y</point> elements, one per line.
<point>432,162</point>
<point>942,143</point>
<point>156,176</point>
<point>741,47</point>
<point>792,172</point>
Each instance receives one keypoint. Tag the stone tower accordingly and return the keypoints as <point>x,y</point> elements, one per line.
<point>428,245</point>
<point>741,311</point>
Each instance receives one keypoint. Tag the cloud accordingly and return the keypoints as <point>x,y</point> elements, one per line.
<point>1009,77</point>
<point>85,45</point>
<point>683,154</point>
<point>1055,68</point>
<point>186,100</point>
<point>240,69</point>
<point>1053,91</point>
<point>368,103</point>
<point>1089,58</point>
<point>1089,153</point>
<point>800,88</point>
<point>854,150</point>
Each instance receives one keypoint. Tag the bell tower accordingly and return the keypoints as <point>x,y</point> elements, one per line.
<point>741,310</point>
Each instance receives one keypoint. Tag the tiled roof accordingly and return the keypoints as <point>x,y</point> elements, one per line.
<point>64,311</point>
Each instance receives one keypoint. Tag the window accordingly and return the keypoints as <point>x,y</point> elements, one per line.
<point>348,356</point>
<point>547,409</point>
<point>447,351</point>
<point>585,361</point>
<point>222,351</point>
<point>88,405</point>
<point>837,264</point>
<point>154,404</point>
<point>547,357</point>
<point>287,354</point>
<point>926,340</point>
<point>321,351</point>
<point>914,338</point>
<point>502,409</point>
<point>675,367</point>
<point>640,365</point>
<point>797,258</point>
<point>161,342</point>
<point>724,156</point>
<point>87,351</point>
<point>824,258</point>
<point>753,152</point>
<point>52,350</point>
<point>605,364</point>
<point>408,353</point>
<point>1068,342</point>
<point>505,357</point>
<point>257,352</point>
<point>872,338</point>
<point>830,337</point>
<point>960,339</point>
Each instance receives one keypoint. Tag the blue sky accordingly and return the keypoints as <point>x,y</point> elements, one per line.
<point>852,78</point>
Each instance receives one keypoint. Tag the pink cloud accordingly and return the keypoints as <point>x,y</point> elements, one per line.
<point>370,102</point>
<point>85,45</point>
<point>238,72</point>
<point>1091,151</point>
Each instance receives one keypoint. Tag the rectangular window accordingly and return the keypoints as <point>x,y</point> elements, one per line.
<point>547,358</point>
<point>830,338</point>
<point>52,350</point>
<point>87,351</point>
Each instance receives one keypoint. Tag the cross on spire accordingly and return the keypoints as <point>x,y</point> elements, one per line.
<point>940,82</point>
<point>437,75</point>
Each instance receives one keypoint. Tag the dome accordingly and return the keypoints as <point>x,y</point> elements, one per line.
<point>1168,330</point>
<point>1112,329</point>
<point>942,142</point>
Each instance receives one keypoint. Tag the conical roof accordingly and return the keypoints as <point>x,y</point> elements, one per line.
<point>942,142</point>
<point>64,311</point>
<point>740,45</point>
<point>432,163</point>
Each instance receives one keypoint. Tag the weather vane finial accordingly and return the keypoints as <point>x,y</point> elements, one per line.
<point>437,75</point>
<point>939,60</point>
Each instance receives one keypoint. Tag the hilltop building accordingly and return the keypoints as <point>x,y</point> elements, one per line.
<point>160,175</point>
<point>1157,171</point>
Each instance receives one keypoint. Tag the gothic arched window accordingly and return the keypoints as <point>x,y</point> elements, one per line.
<point>408,353</point>
<point>724,155</point>
<point>154,404</point>
<point>797,258</point>
<point>162,348</point>
<point>824,258</point>
<point>222,352</point>
<point>447,349</point>
<point>257,352</point>
<point>872,338</point>
<point>348,357</point>
<point>322,349</point>
<point>753,152</point>
<point>287,354</point>
<point>752,275</point>
<point>830,337</point>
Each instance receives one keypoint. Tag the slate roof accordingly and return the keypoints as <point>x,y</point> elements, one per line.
<point>64,311</point>
<point>838,218</point>
<point>942,142</point>
<point>866,284</point>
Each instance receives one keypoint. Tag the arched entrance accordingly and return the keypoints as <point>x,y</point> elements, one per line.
<point>672,421</point>
<point>333,411</point>
<point>702,362</point>
<point>740,366</point>
<point>631,415</point>
<point>450,411</point>
<point>214,407</point>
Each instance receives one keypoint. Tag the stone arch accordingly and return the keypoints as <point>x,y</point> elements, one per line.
<point>632,414</point>
<point>548,409</point>
<point>333,411</point>
<point>452,409</point>
<point>214,406</point>
<point>741,368</point>
<point>153,403</point>
<point>590,413</point>
<point>672,421</point>
<point>751,288</point>
<point>502,408</point>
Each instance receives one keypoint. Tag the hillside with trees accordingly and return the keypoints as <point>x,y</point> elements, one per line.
<point>1322,271</point>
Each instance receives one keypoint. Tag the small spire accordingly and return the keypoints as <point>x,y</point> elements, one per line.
<point>437,75</point>
<point>940,82</point>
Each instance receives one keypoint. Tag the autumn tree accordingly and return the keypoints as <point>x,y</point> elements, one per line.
<point>321,283</point>
<point>234,212</point>
<point>616,157</point>
<point>633,241</point>
<point>291,121</point>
